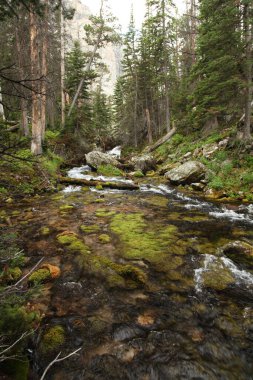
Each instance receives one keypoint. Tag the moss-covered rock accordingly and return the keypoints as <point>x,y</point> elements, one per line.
<point>74,244</point>
<point>218,276</point>
<point>53,339</point>
<point>137,174</point>
<point>90,229</point>
<point>104,239</point>
<point>14,273</point>
<point>109,171</point>
<point>39,276</point>
<point>45,231</point>
<point>141,241</point>
<point>104,213</point>
<point>240,252</point>
<point>99,187</point>
<point>65,208</point>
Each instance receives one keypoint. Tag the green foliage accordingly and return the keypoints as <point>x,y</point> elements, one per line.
<point>109,171</point>
<point>247,178</point>
<point>217,73</point>
<point>51,162</point>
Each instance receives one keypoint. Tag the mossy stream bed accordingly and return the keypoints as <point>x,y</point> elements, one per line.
<point>140,282</point>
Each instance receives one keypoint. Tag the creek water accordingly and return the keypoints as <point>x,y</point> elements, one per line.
<point>154,296</point>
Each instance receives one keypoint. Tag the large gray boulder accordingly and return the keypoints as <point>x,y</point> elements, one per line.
<point>189,172</point>
<point>96,159</point>
<point>144,163</point>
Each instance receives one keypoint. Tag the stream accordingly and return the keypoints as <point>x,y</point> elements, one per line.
<point>147,288</point>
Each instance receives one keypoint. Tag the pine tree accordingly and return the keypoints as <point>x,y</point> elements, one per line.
<point>219,53</point>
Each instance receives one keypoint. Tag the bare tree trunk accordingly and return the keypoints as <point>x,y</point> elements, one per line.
<point>36,146</point>
<point>23,100</point>
<point>150,137</point>
<point>63,99</point>
<point>162,140</point>
<point>135,112</point>
<point>44,71</point>
<point>2,115</point>
<point>165,69</point>
<point>249,89</point>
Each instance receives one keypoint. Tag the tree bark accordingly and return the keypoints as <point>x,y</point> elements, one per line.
<point>92,183</point>
<point>1,105</point>
<point>36,145</point>
<point>44,71</point>
<point>63,99</point>
<point>248,72</point>
<point>23,100</point>
<point>150,137</point>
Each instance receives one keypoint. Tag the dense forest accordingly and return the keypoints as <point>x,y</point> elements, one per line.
<point>90,287</point>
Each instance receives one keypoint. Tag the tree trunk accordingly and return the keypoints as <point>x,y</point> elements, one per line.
<point>23,100</point>
<point>249,88</point>
<point>36,145</point>
<point>44,71</point>
<point>165,69</point>
<point>162,140</point>
<point>150,137</point>
<point>63,99</point>
<point>2,115</point>
<point>92,183</point>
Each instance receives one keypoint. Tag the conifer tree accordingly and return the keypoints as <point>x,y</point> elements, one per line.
<point>219,53</point>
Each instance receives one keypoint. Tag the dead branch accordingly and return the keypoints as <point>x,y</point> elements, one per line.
<point>58,360</point>
<point>94,183</point>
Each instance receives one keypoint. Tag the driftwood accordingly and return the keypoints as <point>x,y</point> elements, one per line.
<point>110,185</point>
<point>161,141</point>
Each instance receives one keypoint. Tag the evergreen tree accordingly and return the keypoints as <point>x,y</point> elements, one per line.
<point>219,52</point>
<point>102,117</point>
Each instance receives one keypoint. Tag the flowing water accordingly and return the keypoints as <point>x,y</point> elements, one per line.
<point>145,287</point>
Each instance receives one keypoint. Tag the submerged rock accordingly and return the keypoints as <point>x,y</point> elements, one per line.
<point>96,159</point>
<point>189,172</point>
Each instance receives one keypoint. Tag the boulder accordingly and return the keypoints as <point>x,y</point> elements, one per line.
<point>96,159</point>
<point>144,163</point>
<point>240,252</point>
<point>189,172</point>
<point>210,149</point>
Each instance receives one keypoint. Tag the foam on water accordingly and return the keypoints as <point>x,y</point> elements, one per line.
<point>71,189</point>
<point>115,152</point>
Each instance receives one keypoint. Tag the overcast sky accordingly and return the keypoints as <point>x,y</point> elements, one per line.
<point>122,9</point>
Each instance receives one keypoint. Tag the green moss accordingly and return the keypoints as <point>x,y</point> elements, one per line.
<point>66,207</point>
<point>104,213</point>
<point>141,241</point>
<point>100,265</point>
<point>110,171</point>
<point>104,239</point>
<point>45,231</point>
<point>53,338</point>
<point>90,229</point>
<point>138,174</point>
<point>15,273</point>
<point>73,242</point>
<point>218,276</point>
<point>99,187</point>
<point>39,276</point>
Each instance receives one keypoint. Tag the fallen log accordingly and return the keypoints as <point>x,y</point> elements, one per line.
<point>94,183</point>
<point>161,141</point>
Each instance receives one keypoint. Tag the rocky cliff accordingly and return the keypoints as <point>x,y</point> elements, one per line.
<point>111,54</point>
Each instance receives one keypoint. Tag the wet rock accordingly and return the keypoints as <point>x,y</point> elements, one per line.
<point>189,172</point>
<point>127,332</point>
<point>240,252</point>
<point>198,186</point>
<point>144,163</point>
<point>95,159</point>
